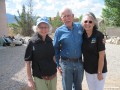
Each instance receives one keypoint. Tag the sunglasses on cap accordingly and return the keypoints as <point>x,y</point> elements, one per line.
<point>87,21</point>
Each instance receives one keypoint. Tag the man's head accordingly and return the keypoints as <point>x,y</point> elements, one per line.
<point>67,17</point>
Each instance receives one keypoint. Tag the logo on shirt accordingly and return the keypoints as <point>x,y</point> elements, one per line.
<point>93,40</point>
<point>79,32</point>
<point>33,48</point>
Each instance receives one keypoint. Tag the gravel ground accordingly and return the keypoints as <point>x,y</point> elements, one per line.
<point>13,75</point>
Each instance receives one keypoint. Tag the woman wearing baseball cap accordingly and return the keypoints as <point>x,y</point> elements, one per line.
<point>39,58</point>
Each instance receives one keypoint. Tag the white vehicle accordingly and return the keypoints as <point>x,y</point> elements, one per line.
<point>13,42</point>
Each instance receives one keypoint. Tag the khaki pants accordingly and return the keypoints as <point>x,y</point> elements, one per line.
<point>42,84</point>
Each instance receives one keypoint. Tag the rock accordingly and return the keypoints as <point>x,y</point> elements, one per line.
<point>113,40</point>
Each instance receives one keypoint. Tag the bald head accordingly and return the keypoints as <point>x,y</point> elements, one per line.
<point>67,17</point>
<point>62,11</point>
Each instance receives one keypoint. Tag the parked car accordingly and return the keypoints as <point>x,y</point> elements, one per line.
<point>1,41</point>
<point>5,42</point>
<point>8,41</point>
<point>20,38</point>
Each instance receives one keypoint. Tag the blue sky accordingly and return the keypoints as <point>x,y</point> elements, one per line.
<point>51,7</point>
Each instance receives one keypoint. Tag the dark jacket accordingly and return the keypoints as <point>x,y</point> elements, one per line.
<point>41,54</point>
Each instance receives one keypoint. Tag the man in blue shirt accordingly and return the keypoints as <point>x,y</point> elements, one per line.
<point>67,43</point>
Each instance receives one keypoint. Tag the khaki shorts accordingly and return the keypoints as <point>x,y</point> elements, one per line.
<point>42,84</point>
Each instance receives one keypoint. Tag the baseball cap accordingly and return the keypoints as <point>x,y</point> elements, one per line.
<point>42,19</point>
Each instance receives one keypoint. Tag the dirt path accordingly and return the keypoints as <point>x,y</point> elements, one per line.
<point>13,75</point>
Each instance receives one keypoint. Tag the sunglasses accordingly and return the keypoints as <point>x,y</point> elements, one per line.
<point>87,21</point>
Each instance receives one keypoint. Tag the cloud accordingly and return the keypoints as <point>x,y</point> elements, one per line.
<point>13,6</point>
<point>86,6</point>
<point>16,1</point>
<point>37,6</point>
<point>97,9</point>
<point>37,1</point>
<point>51,7</point>
<point>11,11</point>
<point>50,1</point>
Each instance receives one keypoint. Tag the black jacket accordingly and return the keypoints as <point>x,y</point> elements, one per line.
<point>41,54</point>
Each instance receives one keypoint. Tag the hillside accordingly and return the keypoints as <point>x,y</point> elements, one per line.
<point>10,18</point>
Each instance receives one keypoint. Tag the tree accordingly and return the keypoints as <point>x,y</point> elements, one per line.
<point>56,22</point>
<point>26,20</point>
<point>111,12</point>
<point>80,18</point>
<point>102,26</point>
<point>14,27</point>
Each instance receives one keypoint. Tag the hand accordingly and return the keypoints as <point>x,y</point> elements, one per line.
<point>49,77</point>
<point>100,76</point>
<point>60,70</point>
<point>31,84</point>
<point>45,77</point>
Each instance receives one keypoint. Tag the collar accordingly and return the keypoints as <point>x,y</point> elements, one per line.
<point>38,38</point>
<point>93,34</point>
<point>69,28</point>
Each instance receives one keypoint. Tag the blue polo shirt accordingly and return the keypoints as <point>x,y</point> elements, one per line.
<point>67,43</point>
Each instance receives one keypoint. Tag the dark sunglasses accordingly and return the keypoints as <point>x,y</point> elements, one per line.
<point>87,21</point>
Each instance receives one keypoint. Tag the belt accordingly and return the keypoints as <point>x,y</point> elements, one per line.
<point>71,59</point>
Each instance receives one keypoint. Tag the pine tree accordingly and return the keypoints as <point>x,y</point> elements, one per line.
<point>26,20</point>
<point>111,12</point>
<point>56,22</point>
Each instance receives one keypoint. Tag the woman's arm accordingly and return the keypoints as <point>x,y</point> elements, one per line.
<point>58,68</point>
<point>29,75</point>
<point>28,68</point>
<point>101,64</point>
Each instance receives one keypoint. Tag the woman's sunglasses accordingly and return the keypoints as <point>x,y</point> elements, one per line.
<point>87,21</point>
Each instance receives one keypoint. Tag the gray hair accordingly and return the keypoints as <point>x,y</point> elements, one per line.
<point>63,10</point>
<point>90,14</point>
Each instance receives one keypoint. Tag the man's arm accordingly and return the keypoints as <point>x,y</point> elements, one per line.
<point>56,45</point>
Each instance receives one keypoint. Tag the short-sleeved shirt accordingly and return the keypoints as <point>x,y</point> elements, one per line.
<point>91,47</point>
<point>41,54</point>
